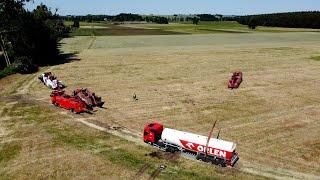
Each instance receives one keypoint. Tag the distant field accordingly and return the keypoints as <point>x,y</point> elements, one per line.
<point>217,27</point>
<point>105,29</point>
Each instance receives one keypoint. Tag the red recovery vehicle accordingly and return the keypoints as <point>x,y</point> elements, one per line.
<point>89,98</point>
<point>72,103</point>
<point>235,80</point>
<point>216,151</point>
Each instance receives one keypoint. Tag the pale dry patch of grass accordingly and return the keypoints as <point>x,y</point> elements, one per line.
<point>94,27</point>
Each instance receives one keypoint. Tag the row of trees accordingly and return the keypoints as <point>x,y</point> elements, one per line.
<point>127,17</point>
<point>157,19</point>
<point>88,18</point>
<point>148,18</point>
<point>207,17</point>
<point>30,38</point>
<point>118,18</point>
<point>290,20</point>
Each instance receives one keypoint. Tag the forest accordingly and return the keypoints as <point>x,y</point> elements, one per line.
<point>29,39</point>
<point>289,20</point>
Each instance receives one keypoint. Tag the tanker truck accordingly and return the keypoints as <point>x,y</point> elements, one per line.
<point>215,151</point>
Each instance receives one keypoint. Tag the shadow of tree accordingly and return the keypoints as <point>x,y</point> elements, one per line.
<point>67,58</point>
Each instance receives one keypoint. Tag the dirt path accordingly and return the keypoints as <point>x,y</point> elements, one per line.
<point>92,41</point>
<point>272,172</point>
<point>125,134</point>
<point>26,86</point>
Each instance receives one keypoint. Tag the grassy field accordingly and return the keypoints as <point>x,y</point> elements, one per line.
<point>217,27</point>
<point>180,81</point>
<point>39,141</point>
<point>106,29</point>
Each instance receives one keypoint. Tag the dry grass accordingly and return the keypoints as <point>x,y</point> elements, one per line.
<point>181,82</point>
<point>45,144</point>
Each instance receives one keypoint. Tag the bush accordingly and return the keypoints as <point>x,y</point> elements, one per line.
<point>252,23</point>
<point>24,65</point>
<point>76,23</point>
<point>157,19</point>
<point>7,71</point>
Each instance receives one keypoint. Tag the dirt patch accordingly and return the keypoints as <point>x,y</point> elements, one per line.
<point>171,157</point>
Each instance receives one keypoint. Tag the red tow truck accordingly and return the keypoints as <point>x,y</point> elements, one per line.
<point>71,103</point>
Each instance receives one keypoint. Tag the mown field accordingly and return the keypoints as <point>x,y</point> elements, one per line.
<point>180,81</point>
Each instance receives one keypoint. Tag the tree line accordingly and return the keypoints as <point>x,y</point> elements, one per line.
<point>122,17</point>
<point>29,38</point>
<point>148,18</point>
<point>290,20</point>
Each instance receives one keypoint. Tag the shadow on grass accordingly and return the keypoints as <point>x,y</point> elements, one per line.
<point>28,68</point>
<point>67,58</point>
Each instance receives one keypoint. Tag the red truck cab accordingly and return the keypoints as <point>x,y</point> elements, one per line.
<point>152,132</point>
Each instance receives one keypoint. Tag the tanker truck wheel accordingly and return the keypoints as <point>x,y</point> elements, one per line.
<point>72,111</point>
<point>221,164</point>
<point>170,149</point>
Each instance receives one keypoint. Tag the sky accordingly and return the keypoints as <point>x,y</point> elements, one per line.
<point>169,7</point>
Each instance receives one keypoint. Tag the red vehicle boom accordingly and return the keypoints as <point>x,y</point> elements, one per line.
<point>88,97</point>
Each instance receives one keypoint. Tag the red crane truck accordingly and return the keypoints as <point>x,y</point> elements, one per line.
<point>71,103</point>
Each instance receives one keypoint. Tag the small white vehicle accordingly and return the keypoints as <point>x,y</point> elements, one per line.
<point>51,81</point>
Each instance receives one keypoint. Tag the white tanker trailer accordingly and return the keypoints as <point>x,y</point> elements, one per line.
<point>216,151</point>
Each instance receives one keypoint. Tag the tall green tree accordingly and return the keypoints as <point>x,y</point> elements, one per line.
<point>33,36</point>
<point>195,20</point>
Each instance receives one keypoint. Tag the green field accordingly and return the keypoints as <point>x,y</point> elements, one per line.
<point>218,27</point>
<point>180,81</point>
<point>106,29</point>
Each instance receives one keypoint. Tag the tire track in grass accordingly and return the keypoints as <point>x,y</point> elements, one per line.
<point>92,42</point>
<point>24,89</point>
<point>276,173</point>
